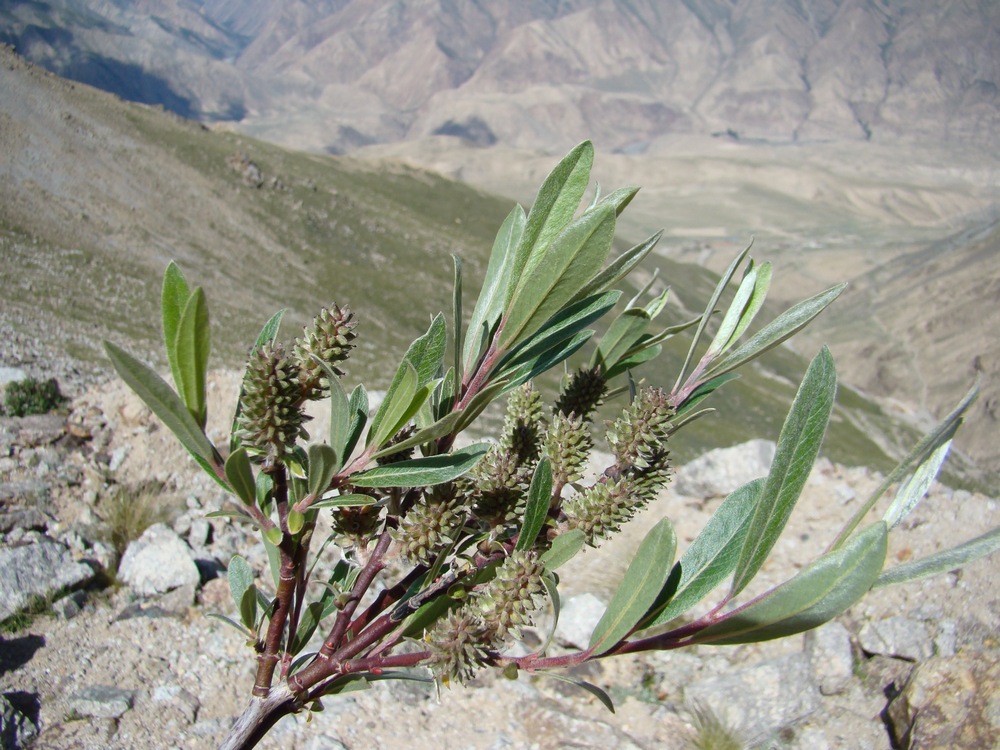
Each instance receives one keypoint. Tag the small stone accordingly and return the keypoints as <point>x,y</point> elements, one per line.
<point>577,620</point>
<point>117,458</point>
<point>101,702</point>
<point>830,655</point>
<point>70,606</point>
<point>179,698</point>
<point>899,636</point>
<point>16,730</point>
<point>157,562</point>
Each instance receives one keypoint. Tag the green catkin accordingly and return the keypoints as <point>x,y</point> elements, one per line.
<point>271,419</point>
<point>330,339</point>
<point>431,524</point>
<point>567,445</point>
<point>524,424</point>
<point>638,433</point>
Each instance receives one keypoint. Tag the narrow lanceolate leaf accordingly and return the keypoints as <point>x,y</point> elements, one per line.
<point>537,508</point>
<point>240,476</point>
<point>490,305</point>
<point>546,361</point>
<point>554,207</point>
<point>456,314</point>
<point>564,548</point>
<point>743,309</point>
<point>712,555</point>
<point>166,405</point>
<point>916,487</point>
<point>798,445</point>
<point>323,464</point>
<point>619,268</point>
<point>340,421</point>
<point>942,562</point>
<point>919,454</point>
<point>620,198</point>
<point>191,349</point>
<point>553,277</point>
<point>426,353</point>
<point>702,392</point>
<point>395,405</point>
<point>422,472</point>
<point>595,691</point>
<point>358,408</point>
<point>173,298</point>
<point>639,589</point>
<point>709,310</point>
<point>240,581</point>
<point>623,333</point>
<point>786,325</point>
<point>442,427</point>
<point>823,590</point>
<point>558,329</point>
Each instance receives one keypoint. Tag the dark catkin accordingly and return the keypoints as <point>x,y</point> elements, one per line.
<point>583,393</point>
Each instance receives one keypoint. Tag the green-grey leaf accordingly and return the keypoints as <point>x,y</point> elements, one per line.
<point>702,392</point>
<point>191,349</point>
<point>240,476</point>
<point>344,501</point>
<point>709,310</point>
<point>395,405</point>
<point>639,589</point>
<point>240,578</point>
<point>323,464</point>
<point>620,198</point>
<point>623,333</point>
<point>786,325</point>
<point>426,353</point>
<point>798,445</point>
<point>442,427</point>
<point>546,361</point>
<point>554,207</point>
<point>173,298</point>
<point>166,405</point>
<point>564,548</point>
<point>742,310</point>
<point>456,313</point>
<point>229,621</point>
<point>553,277</point>
<point>537,508</point>
<point>492,298</point>
<point>619,268</point>
<point>820,592</point>
<point>422,472</point>
<point>559,329</point>
<point>943,561</point>
<point>713,554</point>
<point>248,607</point>
<point>916,487</point>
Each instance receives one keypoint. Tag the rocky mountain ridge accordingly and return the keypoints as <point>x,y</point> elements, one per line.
<point>539,75</point>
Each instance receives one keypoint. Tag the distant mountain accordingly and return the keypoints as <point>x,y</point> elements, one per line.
<point>538,74</point>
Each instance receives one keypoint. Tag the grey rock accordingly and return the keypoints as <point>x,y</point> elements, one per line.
<point>899,636</point>
<point>179,698</point>
<point>577,619</point>
<point>70,606</point>
<point>830,655</point>
<point>101,702</point>
<point>40,569</point>
<point>759,700</point>
<point>722,470</point>
<point>16,729</point>
<point>951,702</point>
<point>157,562</point>
<point>26,492</point>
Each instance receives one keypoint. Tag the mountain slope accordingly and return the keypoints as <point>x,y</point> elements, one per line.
<point>96,195</point>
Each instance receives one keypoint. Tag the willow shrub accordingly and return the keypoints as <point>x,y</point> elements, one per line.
<point>481,530</point>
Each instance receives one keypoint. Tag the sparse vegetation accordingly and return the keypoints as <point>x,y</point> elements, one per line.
<point>31,396</point>
<point>475,533</point>
<point>128,510</point>
<point>712,733</point>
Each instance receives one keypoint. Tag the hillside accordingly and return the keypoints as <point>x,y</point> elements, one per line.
<point>98,194</point>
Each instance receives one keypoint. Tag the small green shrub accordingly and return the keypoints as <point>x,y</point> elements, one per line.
<point>30,396</point>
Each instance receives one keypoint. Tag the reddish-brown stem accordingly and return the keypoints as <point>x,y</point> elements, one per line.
<point>384,599</point>
<point>268,660</point>
<point>361,585</point>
